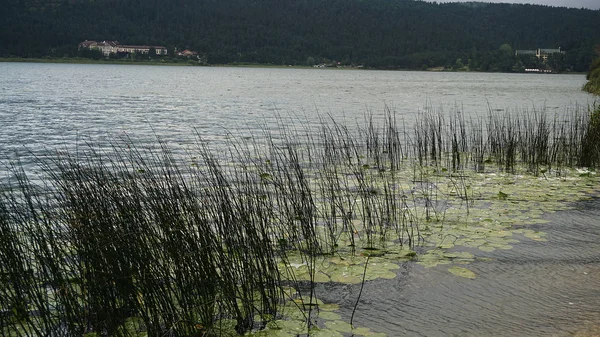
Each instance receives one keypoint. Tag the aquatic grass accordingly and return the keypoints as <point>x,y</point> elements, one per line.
<point>590,142</point>
<point>130,236</point>
<point>31,256</point>
<point>142,246</point>
<point>128,241</point>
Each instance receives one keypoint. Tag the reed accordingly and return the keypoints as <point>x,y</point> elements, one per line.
<point>590,141</point>
<point>124,241</point>
<point>131,241</point>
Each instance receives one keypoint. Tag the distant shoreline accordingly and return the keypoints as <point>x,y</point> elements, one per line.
<point>148,63</point>
<point>232,65</point>
<point>162,63</point>
<point>91,61</point>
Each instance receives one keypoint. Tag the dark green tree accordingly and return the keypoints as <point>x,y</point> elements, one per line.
<point>378,33</point>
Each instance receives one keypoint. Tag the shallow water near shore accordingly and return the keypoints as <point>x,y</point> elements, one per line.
<point>534,289</point>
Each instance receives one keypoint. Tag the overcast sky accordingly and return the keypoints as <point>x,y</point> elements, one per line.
<point>591,4</point>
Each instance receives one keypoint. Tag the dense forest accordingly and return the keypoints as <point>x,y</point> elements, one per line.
<point>406,34</point>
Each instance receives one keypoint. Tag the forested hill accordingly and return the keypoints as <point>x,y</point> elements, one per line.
<point>375,33</point>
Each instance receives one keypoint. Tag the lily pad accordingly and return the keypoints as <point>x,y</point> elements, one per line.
<point>487,248</point>
<point>285,327</point>
<point>317,332</point>
<point>329,315</point>
<point>340,326</point>
<point>329,307</point>
<point>346,278</point>
<point>462,272</point>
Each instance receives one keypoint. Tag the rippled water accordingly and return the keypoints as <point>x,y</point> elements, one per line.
<point>51,105</point>
<point>535,289</point>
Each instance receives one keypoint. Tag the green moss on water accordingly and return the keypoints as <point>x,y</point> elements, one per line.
<point>462,272</point>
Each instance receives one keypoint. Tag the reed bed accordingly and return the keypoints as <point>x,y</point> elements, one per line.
<point>136,241</point>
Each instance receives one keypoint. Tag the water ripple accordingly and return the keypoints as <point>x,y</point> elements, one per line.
<point>540,289</point>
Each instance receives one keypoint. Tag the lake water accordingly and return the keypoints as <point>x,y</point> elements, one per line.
<point>51,105</point>
<point>535,289</point>
<point>540,289</point>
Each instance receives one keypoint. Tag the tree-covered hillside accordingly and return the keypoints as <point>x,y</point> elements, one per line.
<point>375,33</point>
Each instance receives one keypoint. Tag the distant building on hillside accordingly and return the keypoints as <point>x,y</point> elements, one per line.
<point>540,53</point>
<point>113,47</point>
<point>187,53</point>
<point>160,50</point>
<point>543,53</point>
<point>87,44</point>
<point>106,47</point>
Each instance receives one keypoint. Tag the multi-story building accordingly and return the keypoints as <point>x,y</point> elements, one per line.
<point>113,47</point>
<point>540,53</point>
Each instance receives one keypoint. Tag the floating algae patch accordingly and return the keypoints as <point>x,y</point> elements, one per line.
<point>329,315</point>
<point>534,235</point>
<point>451,216</point>
<point>435,257</point>
<point>495,218</point>
<point>292,322</point>
<point>462,272</point>
<point>346,328</point>
<point>338,269</point>
<point>318,332</point>
<point>283,327</point>
<point>340,326</point>
<point>453,226</point>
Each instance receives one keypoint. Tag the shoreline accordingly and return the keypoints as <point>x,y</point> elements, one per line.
<point>91,61</point>
<point>238,65</point>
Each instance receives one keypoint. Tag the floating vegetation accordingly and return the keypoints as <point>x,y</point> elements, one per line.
<point>139,242</point>
<point>462,272</point>
<point>348,270</point>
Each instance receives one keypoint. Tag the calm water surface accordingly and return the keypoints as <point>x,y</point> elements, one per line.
<point>535,289</point>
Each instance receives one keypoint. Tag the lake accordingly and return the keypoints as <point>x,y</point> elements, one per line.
<point>549,288</point>
<point>51,105</point>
